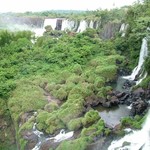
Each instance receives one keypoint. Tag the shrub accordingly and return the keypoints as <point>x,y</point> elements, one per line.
<point>90,117</point>
<point>77,144</point>
<point>77,69</point>
<point>50,107</point>
<point>75,124</point>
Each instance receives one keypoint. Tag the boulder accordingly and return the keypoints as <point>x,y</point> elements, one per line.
<point>138,107</point>
<point>138,92</point>
<point>92,101</point>
<point>31,139</point>
<point>49,144</point>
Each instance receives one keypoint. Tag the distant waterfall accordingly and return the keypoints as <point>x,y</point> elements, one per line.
<point>143,55</point>
<point>51,22</point>
<point>67,24</point>
<point>123,29</point>
<point>82,26</point>
<point>136,140</point>
<point>91,25</point>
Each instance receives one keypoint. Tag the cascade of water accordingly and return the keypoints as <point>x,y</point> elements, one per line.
<point>42,138</point>
<point>123,29</point>
<point>67,24</point>
<point>135,140</point>
<point>82,27</point>
<point>143,54</point>
<point>62,136</point>
<point>91,25</point>
<point>51,21</point>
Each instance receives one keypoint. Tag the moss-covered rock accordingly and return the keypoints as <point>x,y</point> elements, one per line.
<point>135,122</point>
<point>94,130</point>
<point>78,144</point>
<point>75,124</point>
<point>90,117</point>
<point>26,97</point>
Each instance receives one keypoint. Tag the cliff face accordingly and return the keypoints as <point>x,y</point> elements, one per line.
<point>109,30</point>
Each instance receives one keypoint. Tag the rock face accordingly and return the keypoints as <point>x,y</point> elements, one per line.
<point>138,107</point>
<point>137,99</point>
<point>110,29</point>
<point>31,138</point>
<point>49,144</point>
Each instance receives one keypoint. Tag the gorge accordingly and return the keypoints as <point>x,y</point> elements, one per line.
<point>67,80</point>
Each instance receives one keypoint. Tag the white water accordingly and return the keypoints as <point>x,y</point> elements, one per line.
<point>143,55</point>
<point>136,140</point>
<point>91,25</point>
<point>82,26</point>
<point>123,29</point>
<point>62,136</point>
<point>40,137</point>
<point>58,138</point>
<point>51,21</point>
<point>67,24</point>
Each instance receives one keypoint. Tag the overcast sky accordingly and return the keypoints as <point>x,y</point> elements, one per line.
<point>41,5</point>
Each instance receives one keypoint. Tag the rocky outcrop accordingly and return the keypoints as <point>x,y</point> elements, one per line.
<point>109,30</point>
<point>31,139</point>
<point>137,99</point>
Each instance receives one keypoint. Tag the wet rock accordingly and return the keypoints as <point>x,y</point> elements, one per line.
<point>114,101</point>
<point>127,84</point>
<point>31,138</point>
<point>120,94</point>
<point>107,104</point>
<point>125,143</point>
<point>138,92</point>
<point>138,107</point>
<point>49,144</point>
<point>92,101</point>
<point>25,116</point>
<point>124,98</point>
<point>147,94</point>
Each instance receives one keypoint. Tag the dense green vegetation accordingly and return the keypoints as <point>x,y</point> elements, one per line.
<point>56,76</point>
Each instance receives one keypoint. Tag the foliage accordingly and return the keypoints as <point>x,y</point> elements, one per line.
<point>70,67</point>
<point>75,124</point>
<point>90,117</point>
<point>135,122</point>
<point>77,144</point>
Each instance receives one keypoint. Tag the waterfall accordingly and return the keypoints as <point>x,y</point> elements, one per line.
<point>67,24</point>
<point>123,29</point>
<point>58,138</point>
<point>138,68</point>
<point>135,140</point>
<point>62,136</point>
<point>91,25</point>
<point>51,21</point>
<point>82,26</point>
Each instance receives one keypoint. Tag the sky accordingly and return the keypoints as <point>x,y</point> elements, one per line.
<point>42,5</point>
